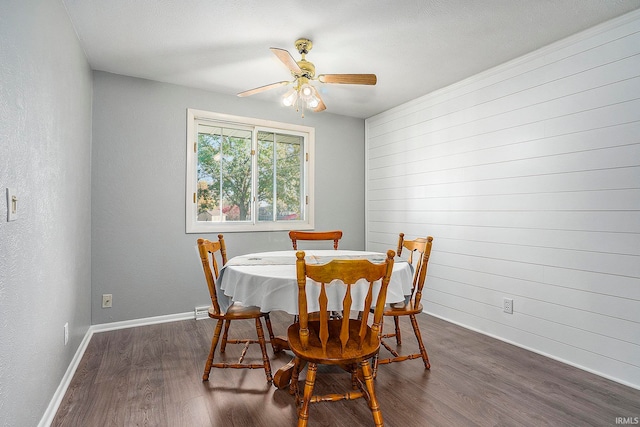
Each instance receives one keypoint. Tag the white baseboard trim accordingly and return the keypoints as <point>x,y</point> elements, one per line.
<point>533,350</point>
<point>103,327</point>
<point>51,410</point>
<point>56,400</point>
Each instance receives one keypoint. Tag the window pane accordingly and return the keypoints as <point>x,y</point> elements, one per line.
<point>266,171</point>
<point>280,168</point>
<point>289,172</point>
<point>224,174</point>
<point>209,144</point>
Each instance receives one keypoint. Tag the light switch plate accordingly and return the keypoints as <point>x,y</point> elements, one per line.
<point>12,205</point>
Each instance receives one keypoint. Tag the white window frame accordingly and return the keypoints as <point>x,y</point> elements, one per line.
<point>191,211</point>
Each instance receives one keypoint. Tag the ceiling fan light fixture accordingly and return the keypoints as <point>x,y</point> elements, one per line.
<point>290,97</point>
<point>306,91</point>
<point>301,97</point>
<point>313,102</point>
<point>307,94</point>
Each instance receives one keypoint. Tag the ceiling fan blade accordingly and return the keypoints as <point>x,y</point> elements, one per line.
<point>349,79</point>
<point>287,59</point>
<point>321,105</point>
<point>262,88</point>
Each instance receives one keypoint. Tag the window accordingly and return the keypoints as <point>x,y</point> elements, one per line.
<point>247,174</point>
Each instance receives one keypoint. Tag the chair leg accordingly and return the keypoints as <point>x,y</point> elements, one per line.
<point>375,358</point>
<point>423,351</point>
<point>373,400</point>
<point>293,384</point>
<point>303,414</point>
<point>263,347</point>
<point>225,335</point>
<point>396,320</point>
<point>214,343</point>
<point>267,321</point>
<point>374,362</point>
<point>353,369</point>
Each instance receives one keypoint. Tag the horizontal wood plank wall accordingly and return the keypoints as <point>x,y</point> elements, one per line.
<point>528,177</point>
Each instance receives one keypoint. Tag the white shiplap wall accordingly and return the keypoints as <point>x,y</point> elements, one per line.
<point>528,178</point>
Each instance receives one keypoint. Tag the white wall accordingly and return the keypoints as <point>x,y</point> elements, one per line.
<point>141,253</point>
<point>528,177</point>
<point>45,142</point>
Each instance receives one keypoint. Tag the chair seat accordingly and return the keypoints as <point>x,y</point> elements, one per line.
<point>405,310</point>
<point>334,355</point>
<point>237,311</point>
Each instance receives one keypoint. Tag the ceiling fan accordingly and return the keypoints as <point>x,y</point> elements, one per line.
<point>304,94</point>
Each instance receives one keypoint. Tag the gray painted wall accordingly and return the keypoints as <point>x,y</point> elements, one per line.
<point>45,143</point>
<point>140,251</point>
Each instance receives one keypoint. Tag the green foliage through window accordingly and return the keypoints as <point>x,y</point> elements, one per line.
<point>224,174</point>
<point>280,171</point>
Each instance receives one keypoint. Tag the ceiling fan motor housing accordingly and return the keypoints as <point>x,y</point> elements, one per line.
<point>308,69</point>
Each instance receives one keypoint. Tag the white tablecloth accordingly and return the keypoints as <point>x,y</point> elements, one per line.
<point>268,280</point>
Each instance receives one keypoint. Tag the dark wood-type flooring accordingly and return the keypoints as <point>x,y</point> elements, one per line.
<point>151,376</point>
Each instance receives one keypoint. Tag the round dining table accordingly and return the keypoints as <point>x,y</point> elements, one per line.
<point>268,280</point>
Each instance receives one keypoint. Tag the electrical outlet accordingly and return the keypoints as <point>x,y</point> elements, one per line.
<point>107,300</point>
<point>66,333</point>
<point>507,305</point>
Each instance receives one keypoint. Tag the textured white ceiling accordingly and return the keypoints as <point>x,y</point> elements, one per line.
<point>414,46</point>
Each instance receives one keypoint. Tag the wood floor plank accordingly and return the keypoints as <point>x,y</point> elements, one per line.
<point>151,376</point>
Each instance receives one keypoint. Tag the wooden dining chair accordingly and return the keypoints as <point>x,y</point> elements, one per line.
<point>345,342</point>
<point>419,252</point>
<point>296,235</point>
<point>334,235</point>
<point>208,250</point>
